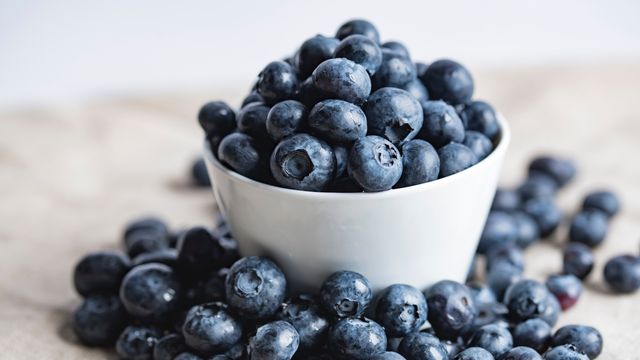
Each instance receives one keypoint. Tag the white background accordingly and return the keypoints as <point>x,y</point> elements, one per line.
<point>63,51</point>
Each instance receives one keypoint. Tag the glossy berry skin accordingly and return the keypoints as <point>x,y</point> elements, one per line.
<point>441,125</point>
<point>586,339</point>
<point>276,340</point>
<point>401,309</point>
<point>151,292</point>
<point>252,120</point>
<point>521,353</point>
<point>313,52</point>
<point>454,158</point>
<point>303,162</point>
<point>474,353</point>
<point>501,276</point>
<point>528,231</point>
<point>537,185</point>
<point>388,355</point>
<point>358,26</point>
<point>482,294</point>
<point>199,174</point>
<point>551,311</point>
<point>421,68</point>
<point>187,356</point>
<point>589,227</point>
<point>338,121</point>
<point>168,347</point>
<point>285,119</point>
<point>495,339</point>
<point>357,338</point>
<point>345,293</point>
<point>416,89</point>
<point>342,155</point>
<point>605,201</point>
<point>622,273</point>
<point>499,228</point>
<point>278,81</point>
<point>566,288</point>
<point>533,333</point>
<point>451,308</point>
<point>343,79</point>
<point>478,143</point>
<point>561,170</point>
<point>526,299</point>
<point>577,259</point>
<point>145,240</point>
<point>167,257</point>
<point>198,252</point>
<point>545,213</point>
<point>488,313</point>
<point>564,352</point>
<point>146,223</point>
<point>305,314</point>
<point>397,47</point>
<point>253,97</point>
<point>255,287</point>
<point>99,320</point>
<point>420,163</point>
<point>394,114</point>
<point>506,200</point>
<point>449,81</point>
<point>361,50</point>
<point>137,342</point>
<point>217,119</point>
<point>309,94</point>
<point>100,272</point>
<point>210,328</point>
<point>243,155</point>
<point>396,70</point>
<point>375,163</point>
<point>481,117</point>
<point>505,252</point>
<point>422,346</point>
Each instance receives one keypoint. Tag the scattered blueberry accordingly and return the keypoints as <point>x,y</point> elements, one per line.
<point>451,308</point>
<point>99,320</point>
<point>552,311</point>
<point>420,163</point>
<point>537,185</point>
<point>375,163</point>
<point>482,294</point>
<point>534,333</point>
<point>528,231</point>
<point>217,119</point>
<point>278,81</point>
<point>622,273</point>
<point>253,97</point>
<point>285,119</point>
<point>586,339</point>
<point>100,273</point>
<point>358,26</point>
<point>397,47</point>
<point>167,256</point>
<point>168,347</point>
<point>198,252</point>
<point>499,228</point>
<point>343,79</point>
<point>577,260</point>
<point>488,313</point>
<point>276,340</point>
<point>526,299</point>
<point>401,309</point>
<point>478,143</point>
<point>394,114</point>
<point>345,293</point>
<point>605,201</point>
<point>474,353</point>
<point>506,200</point>
<point>361,50</point>
<point>561,170</point>
<point>243,155</point>
<point>455,158</point>
<point>146,223</point>
<point>564,352</point>
<point>145,241</point>
<point>313,52</point>
<point>589,227</point>
<point>252,120</point>
<point>210,328</point>
<point>501,276</point>
<point>545,213</point>
<point>422,346</point>
<point>449,81</point>
<point>305,314</point>
<point>137,342</point>
<point>151,292</point>
<point>505,252</point>
<point>521,353</point>
<point>481,117</point>
<point>338,121</point>
<point>396,70</point>
<point>199,173</point>
<point>442,124</point>
<point>495,339</point>
<point>566,288</point>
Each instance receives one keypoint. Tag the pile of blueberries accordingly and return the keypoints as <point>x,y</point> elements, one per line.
<point>349,114</point>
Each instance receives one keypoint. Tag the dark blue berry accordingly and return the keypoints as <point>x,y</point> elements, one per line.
<point>494,338</point>
<point>499,228</point>
<point>552,311</point>
<point>277,340</point>
<point>396,70</point>
<point>253,97</point>
<point>622,273</point>
<point>605,201</point>
<point>566,288</point>
<point>564,352</point>
<point>420,163</point>
<point>337,121</point>
<point>506,200</point>
<point>309,94</point>
<point>521,353</point>
<point>449,81</point>
<point>208,287</point>
<point>313,52</point>
<point>442,124</point>
<point>361,50</point>
<point>505,252</point>
<point>397,47</point>
<point>455,158</point>
<point>357,338</point>
<point>99,320</point>
<point>401,309</point>
<point>488,313</point>
<point>534,333</point>
<point>545,213</point>
<point>375,163</point>
<point>537,185</point>
<point>187,356</point>
<point>526,299</point>
<point>198,252</point>
<point>394,114</point>
<point>586,339</point>
<point>343,79</point>
<point>168,347</point>
<point>137,342</point>
<point>421,68</point>
<point>100,272</point>
<point>416,89</point>
<point>210,328</point>
<point>255,287</point>
<point>451,308</point>
<point>528,231</point>
<point>243,155</point>
<point>146,223</point>
<point>345,293</point>
<point>278,81</point>
<point>151,292</point>
<point>478,143</point>
<point>481,117</point>
<point>305,314</point>
<point>252,120</point>
<point>589,227</point>
<point>168,257</point>
<point>342,156</point>
<point>577,259</point>
<point>422,346</point>
<point>453,346</point>
<point>474,353</point>
<point>145,241</point>
<point>501,276</point>
<point>482,294</point>
<point>561,170</point>
<point>285,119</point>
<point>388,355</point>
<point>199,173</point>
<point>358,26</point>
<point>217,119</point>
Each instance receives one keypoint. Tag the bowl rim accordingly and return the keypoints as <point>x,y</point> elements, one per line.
<point>503,143</point>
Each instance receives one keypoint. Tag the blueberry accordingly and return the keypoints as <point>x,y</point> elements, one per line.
<point>187,356</point>
<point>243,155</point>
<point>277,340</point>
<point>421,68</point>
<point>375,163</point>
<point>416,89</point>
<point>151,292</point>
<point>521,353</point>
<point>278,81</point>
<point>451,308</point>
<point>285,119</point>
<point>168,347</point>
<point>397,47</point>
<point>481,117</point>
<point>167,257</point>
<point>482,294</point>
<point>252,120</point>
<point>396,70</point>
<point>506,200</point>
<point>137,342</point>
<point>358,26</point>
<point>566,288</point>
<point>146,223</point>
<point>217,119</point>
<point>420,163</point>
<point>100,272</point>
<point>303,162</point>
<point>343,79</point>
<point>253,97</point>
<point>622,273</point>
<point>537,185</point>
<point>495,339</point>
<point>342,156</point>
<point>99,320</point>
<point>499,228</point>
<point>199,173</point>
<point>388,355</point>
<point>313,52</point>
<point>505,252</point>
<point>545,213</point>
<point>502,276</point>
<point>338,121</point>
<point>394,114</point>
<point>208,287</point>
<point>561,170</point>
<point>586,339</point>
<point>455,158</point>
<point>534,333</point>
<point>577,259</point>
<point>357,338</point>
<point>474,353</point>
<point>210,328</point>
<point>145,241</point>
<point>488,313</point>
<point>478,143</point>
<point>528,231</point>
<point>589,227</point>
<point>442,124</point>
<point>551,311</point>
<point>305,314</point>
<point>453,346</point>
<point>361,50</point>
<point>526,299</point>
<point>198,252</point>
<point>256,287</point>
<point>237,352</point>
<point>449,81</point>
<point>345,293</point>
<point>422,346</point>
<point>605,201</point>
<point>564,352</point>
<point>401,309</point>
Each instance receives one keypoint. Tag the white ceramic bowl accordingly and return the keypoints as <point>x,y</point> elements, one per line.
<point>415,235</point>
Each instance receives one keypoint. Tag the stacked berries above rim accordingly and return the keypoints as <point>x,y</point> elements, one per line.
<point>350,114</point>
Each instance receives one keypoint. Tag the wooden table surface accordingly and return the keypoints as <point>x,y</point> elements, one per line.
<point>71,176</point>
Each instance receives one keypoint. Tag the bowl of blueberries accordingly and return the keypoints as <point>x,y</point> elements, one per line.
<point>349,155</point>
